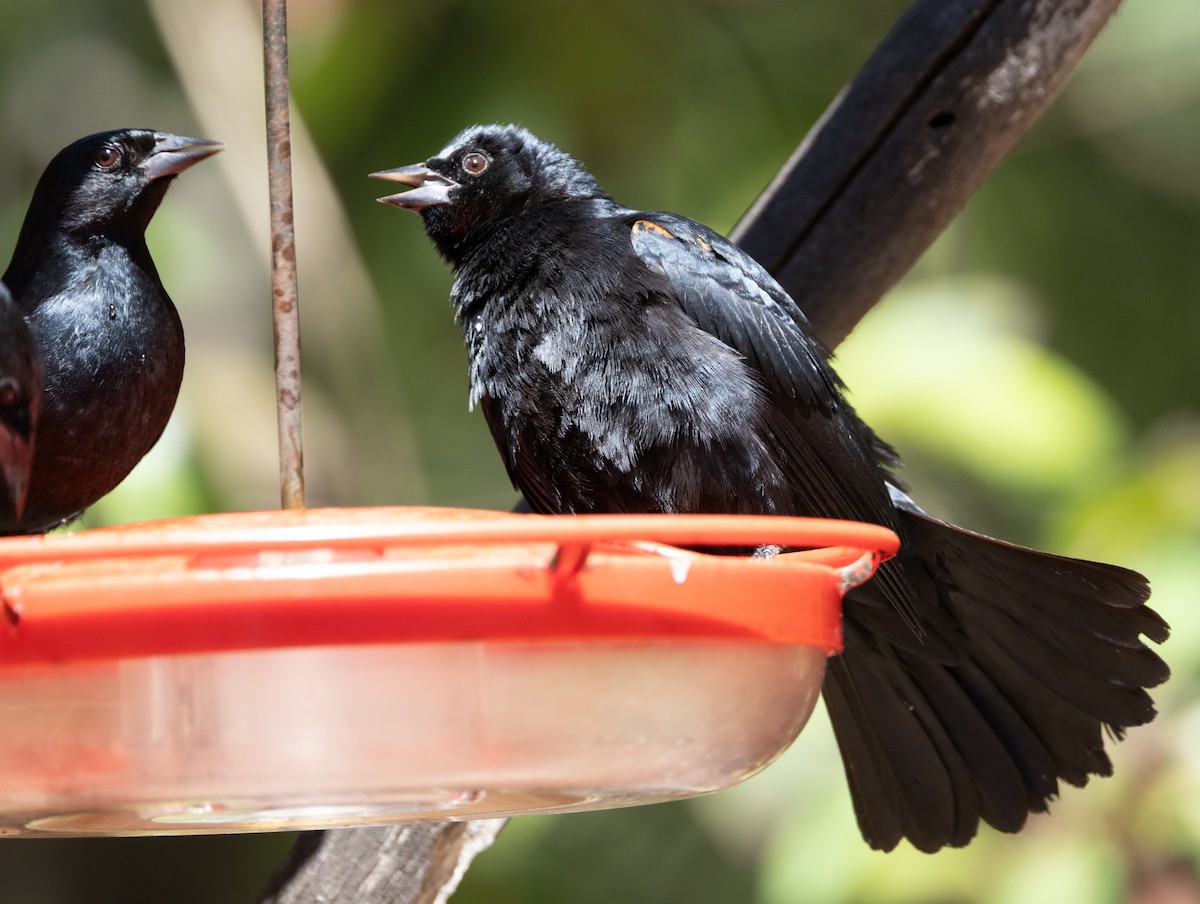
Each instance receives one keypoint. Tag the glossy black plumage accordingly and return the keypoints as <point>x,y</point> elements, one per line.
<point>632,361</point>
<point>20,399</point>
<point>109,337</point>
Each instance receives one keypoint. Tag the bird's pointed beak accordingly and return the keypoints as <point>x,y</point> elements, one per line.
<point>174,153</point>
<point>428,187</point>
<point>16,464</point>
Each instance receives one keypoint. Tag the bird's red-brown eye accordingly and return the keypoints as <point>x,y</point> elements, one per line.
<point>474,163</point>
<point>107,157</point>
<point>10,392</point>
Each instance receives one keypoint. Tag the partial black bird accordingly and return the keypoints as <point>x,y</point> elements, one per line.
<point>110,339</point>
<point>20,398</point>
<point>634,361</point>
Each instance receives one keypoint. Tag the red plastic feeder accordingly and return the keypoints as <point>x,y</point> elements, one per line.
<point>335,667</point>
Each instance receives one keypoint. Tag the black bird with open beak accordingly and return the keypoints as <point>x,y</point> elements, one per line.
<point>637,361</point>
<point>109,337</point>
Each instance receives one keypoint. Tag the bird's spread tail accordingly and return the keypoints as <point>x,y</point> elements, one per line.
<point>937,734</point>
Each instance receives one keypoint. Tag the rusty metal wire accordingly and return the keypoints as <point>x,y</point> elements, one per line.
<point>284,294</point>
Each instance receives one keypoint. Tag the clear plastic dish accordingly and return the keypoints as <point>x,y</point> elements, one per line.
<point>342,667</point>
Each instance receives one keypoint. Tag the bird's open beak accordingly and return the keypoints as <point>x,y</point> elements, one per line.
<point>175,153</point>
<point>16,463</point>
<point>428,187</point>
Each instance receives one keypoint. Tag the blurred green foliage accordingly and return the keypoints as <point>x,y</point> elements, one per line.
<point>1037,369</point>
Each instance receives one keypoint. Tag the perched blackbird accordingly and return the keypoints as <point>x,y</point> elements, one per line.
<point>110,340</point>
<point>633,361</point>
<point>20,396</point>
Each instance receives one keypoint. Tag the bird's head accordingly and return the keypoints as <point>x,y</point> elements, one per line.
<point>112,181</point>
<point>484,174</point>
<point>20,398</point>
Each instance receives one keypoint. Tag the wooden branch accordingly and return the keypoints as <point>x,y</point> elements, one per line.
<point>952,88</point>
<point>948,93</point>
<point>419,863</point>
<point>285,297</point>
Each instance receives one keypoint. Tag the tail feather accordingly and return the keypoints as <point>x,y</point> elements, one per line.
<point>1051,658</point>
<point>1103,689</point>
<point>894,780</point>
<point>922,760</point>
<point>876,791</point>
<point>1073,738</point>
<point>1070,588</point>
<point>997,777</point>
<point>1033,759</point>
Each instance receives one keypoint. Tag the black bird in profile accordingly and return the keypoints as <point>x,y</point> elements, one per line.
<point>110,340</point>
<point>632,361</point>
<point>20,398</point>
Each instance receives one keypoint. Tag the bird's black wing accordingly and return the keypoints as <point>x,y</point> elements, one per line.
<point>729,295</point>
<point>832,460</point>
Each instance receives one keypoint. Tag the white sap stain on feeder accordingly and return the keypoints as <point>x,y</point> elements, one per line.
<point>678,561</point>
<point>859,571</point>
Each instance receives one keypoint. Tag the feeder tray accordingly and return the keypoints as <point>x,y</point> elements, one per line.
<point>318,668</point>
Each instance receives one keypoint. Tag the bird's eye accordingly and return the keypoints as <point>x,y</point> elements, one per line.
<point>10,392</point>
<point>107,156</point>
<point>474,163</point>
